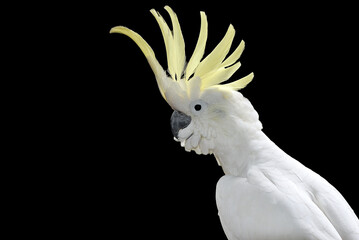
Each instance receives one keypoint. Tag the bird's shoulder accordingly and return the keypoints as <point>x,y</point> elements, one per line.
<point>280,199</point>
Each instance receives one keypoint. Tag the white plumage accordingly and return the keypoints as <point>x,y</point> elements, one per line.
<point>265,194</point>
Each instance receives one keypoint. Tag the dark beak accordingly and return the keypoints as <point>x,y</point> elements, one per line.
<point>179,121</point>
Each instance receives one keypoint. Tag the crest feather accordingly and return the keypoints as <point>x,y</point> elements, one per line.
<point>168,39</point>
<point>200,46</point>
<point>185,84</point>
<point>241,83</point>
<point>235,55</point>
<point>219,75</point>
<point>213,61</point>
<point>141,43</point>
<point>179,56</point>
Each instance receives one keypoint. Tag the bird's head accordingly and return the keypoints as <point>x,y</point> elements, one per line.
<point>193,89</point>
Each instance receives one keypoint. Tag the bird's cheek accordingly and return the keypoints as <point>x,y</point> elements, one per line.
<point>192,142</point>
<point>188,146</point>
<point>206,145</point>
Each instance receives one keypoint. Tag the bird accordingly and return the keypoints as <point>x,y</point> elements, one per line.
<point>264,193</point>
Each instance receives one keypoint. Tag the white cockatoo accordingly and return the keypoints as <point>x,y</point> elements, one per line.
<point>265,193</point>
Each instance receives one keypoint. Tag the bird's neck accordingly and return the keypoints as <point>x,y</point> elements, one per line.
<point>244,149</point>
<point>240,142</point>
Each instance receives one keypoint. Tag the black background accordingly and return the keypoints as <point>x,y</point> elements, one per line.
<point>111,167</point>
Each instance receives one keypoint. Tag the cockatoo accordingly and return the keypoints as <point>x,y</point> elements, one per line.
<point>265,193</point>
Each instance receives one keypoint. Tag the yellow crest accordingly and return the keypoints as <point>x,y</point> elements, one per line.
<point>187,81</point>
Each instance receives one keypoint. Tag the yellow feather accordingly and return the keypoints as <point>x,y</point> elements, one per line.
<point>179,56</point>
<point>235,55</point>
<point>142,44</point>
<point>149,54</point>
<point>220,75</point>
<point>211,71</point>
<point>215,58</point>
<point>200,46</point>
<point>241,83</point>
<point>168,39</point>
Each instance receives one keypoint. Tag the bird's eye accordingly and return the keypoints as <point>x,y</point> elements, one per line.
<point>197,107</point>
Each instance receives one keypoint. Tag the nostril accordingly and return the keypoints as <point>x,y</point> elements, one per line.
<point>179,121</point>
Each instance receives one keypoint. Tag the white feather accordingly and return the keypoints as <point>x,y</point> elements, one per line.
<point>266,194</point>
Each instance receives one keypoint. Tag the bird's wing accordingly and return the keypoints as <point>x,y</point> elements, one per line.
<point>335,207</point>
<point>259,209</point>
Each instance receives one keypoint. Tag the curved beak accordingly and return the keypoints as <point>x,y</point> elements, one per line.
<point>179,121</point>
